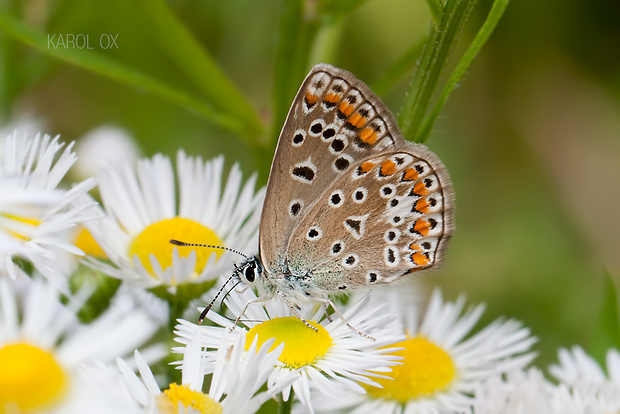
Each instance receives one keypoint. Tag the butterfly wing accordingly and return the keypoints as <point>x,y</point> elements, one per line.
<point>349,202</point>
<point>387,216</point>
<point>315,148</point>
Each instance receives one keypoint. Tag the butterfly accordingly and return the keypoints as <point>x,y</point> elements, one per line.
<point>349,203</point>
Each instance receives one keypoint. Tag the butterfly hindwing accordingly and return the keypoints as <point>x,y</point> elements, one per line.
<point>376,223</point>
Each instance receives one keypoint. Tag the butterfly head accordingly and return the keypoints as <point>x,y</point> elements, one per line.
<point>250,272</point>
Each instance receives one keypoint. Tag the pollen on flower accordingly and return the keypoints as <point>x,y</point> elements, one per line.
<point>425,370</point>
<point>88,245</point>
<point>155,240</point>
<point>168,401</point>
<point>30,377</point>
<point>302,345</point>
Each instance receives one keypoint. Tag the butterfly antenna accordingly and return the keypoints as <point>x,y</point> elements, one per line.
<point>206,310</point>
<point>224,298</point>
<point>180,243</point>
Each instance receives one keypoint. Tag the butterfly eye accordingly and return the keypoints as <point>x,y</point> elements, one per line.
<point>249,273</point>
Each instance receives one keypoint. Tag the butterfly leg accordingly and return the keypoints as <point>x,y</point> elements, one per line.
<point>259,299</point>
<point>328,302</point>
<point>325,307</point>
<point>295,311</point>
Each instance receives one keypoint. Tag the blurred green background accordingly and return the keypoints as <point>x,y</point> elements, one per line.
<point>531,136</point>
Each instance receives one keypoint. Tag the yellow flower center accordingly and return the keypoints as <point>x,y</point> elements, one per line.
<point>302,345</point>
<point>88,245</point>
<point>155,240</point>
<point>30,378</point>
<point>426,369</point>
<point>168,401</point>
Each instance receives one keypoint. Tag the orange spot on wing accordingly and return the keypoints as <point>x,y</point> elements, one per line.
<point>357,120</point>
<point>420,259</point>
<point>421,227</point>
<point>422,206</point>
<point>331,98</point>
<point>414,246</point>
<point>368,135</point>
<point>388,168</point>
<point>366,166</point>
<point>420,189</point>
<point>311,99</point>
<point>346,108</point>
<point>410,174</point>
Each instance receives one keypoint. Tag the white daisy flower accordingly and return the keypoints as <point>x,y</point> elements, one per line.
<point>528,392</point>
<point>103,147</point>
<point>234,385</point>
<point>42,344</point>
<point>99,389</point>
<point>35,215</point>
<point>581,372</point>
<point>441,365</point>
<point>143,216</point>
<point>332,359</point>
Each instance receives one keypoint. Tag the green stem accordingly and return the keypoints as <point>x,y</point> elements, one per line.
<point>436,9</point>
<point>327,40</point>
<point>290,61</point>
<point>481,38</point>
<point>176,308</point>
<point>285,407</point>
<point>435,57</point>
<point>607,329</point>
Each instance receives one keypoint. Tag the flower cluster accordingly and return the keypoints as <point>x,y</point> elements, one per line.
<point>93,297</point>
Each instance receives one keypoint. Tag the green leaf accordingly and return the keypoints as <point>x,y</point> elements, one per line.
<point>119,72</point>
<point>434,60</point>
<point>499,6</point>
<point>607,331</point>
<point>192,61</point>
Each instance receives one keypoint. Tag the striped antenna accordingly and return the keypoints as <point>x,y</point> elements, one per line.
<point>206,310</point>
<point>180,243</point>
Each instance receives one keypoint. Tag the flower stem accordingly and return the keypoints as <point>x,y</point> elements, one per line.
<point>472,51</point>
<point>434,60</point>
<point>285,407</point>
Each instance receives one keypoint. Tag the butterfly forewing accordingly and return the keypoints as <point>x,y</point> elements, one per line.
<point>349,202</point>
<point>326,131</point>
